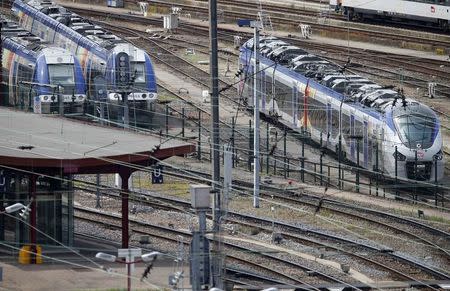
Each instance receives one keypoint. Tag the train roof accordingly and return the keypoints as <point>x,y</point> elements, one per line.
<point>93,35</point>
<point>372,100</point>
<point>21,41</point>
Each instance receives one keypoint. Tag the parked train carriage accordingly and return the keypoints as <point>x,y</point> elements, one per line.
<point>36,73</point>
<point>368,136</point>
<point>431,12</point>
<point>98,51</point>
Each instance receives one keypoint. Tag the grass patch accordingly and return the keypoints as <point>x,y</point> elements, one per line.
<point>439,219</point>
<point>166,97</point>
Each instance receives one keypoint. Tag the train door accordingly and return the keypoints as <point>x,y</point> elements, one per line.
<point>377,148</point>
<point>352,133</point>
<point>366,144</point>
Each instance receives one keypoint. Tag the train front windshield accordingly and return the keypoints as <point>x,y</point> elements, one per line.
<point>61,74</point>
<point>416,131</point>
<point>138,70</point>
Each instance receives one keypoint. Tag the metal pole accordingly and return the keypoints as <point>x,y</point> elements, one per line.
<point>435,182</point>
<point>214,67</point>
<point>182,121</point>
<point>396,171</point>
<point>284,153</point>
<point>97,192</point>
<point>199,150</point>
<point>267,148</point>
<point>302,170</point>
<point>233,125</point>
<point>321,168</point>
<point>376,165</point>
<point>33,214</point>
<point>126,112</point>
<point>128,277</point>
<point>60,101</point>
<point>415,175</point>
<point>167,119</point>
<point>250,145</point>
<point>339,161</point>
<point>256,86</point>
<point>357,165</point>
<point>124,176</point>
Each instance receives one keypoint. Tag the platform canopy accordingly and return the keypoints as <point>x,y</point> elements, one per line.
<point>44,143</point>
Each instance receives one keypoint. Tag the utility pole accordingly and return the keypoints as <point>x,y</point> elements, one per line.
<point>256,87</point>
<point>214,71</point>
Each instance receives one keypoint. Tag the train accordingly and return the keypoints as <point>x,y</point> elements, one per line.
<point>429,13</point>
<point>36,74</point>
<point>375,127</point>
<point>115,70</point>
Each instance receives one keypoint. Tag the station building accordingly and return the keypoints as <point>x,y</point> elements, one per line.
<point>39,155</point>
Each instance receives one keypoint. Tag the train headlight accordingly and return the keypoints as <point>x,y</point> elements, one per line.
<point>80,97</point>
<point>438,156</point>
<point>116,96</point>
<point>399,156</point>
<point>53,98</point>
<point>144,96</point>
<point>45,98</point>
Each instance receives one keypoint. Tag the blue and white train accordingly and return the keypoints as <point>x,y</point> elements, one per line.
<point>111,65</point>
<point>35,74</point>
<point>429,12</point>
<point>316,96</point>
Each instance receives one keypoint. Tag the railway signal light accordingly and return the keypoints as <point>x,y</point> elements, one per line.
<point>122,69</point>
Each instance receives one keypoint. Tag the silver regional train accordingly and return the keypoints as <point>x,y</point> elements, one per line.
<point>429,12</point>
<point>35,73</point>
<point>379,127</point>
<point>111,65</point>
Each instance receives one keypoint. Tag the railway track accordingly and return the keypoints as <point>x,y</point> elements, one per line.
<point>238,276</point>
<point>304,236</point>
<point>235,253</point>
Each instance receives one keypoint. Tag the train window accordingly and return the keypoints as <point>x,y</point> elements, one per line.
<point>283,96</point>
<point>263,84</point>
<point>61,74</point>
<point>138,71</point>
<point>268,84</point>
<point>346,129</point>
<point>301,103</point>
<point>359,131</point>
<point>317,112</point>
<point>335,123</point>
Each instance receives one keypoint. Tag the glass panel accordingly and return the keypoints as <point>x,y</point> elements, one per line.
<point>138,70</point>
<point>416,131</point>
<point>61,74</point>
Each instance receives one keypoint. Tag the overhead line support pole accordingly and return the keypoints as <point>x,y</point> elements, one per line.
<point>256,177</point>
<point>214,70</point>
